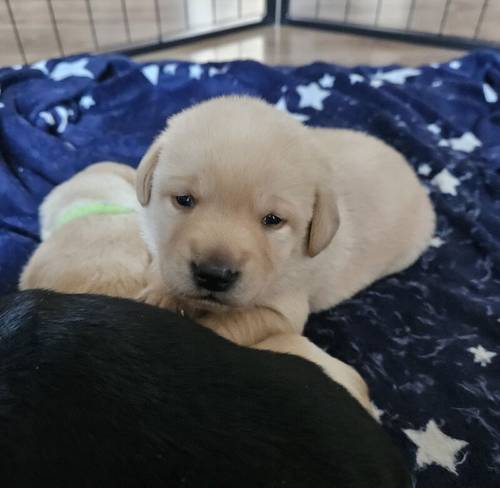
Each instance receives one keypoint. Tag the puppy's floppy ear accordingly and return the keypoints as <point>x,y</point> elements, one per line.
<point>324,223</point>
<point>144,176</point>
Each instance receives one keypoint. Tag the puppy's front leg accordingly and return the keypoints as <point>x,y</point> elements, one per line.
<point>247,327</point>
<point>155,292</point>
<point>157,296</point>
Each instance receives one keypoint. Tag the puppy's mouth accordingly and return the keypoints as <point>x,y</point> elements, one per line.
<point>208,302</point>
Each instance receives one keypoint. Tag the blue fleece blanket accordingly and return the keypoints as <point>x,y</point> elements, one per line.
<point>427,340</point>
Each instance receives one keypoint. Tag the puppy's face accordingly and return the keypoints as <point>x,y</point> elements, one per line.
<point>234,200</point>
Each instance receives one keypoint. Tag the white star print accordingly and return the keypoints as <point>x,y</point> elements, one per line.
<point>481,355</point>
<point>397,76</point>
<point>434,128</point>
<point>327,81</point>
<point>435,447</point>
<point>312,96</point>
<point>355,78</point>
<point>376,83</point>
<point>64,114</point>
<point>455,64</point>
<point>151,72</point>
<point>170,69</point>
<point>17,66</point>
<point>424,170</point>
<point>213,71</point>
<point>281,105</point>
<point>467,142</point>
<point>446,182</point>
<point>66,69</point>
<point>436,242</point>
<point>195,71</point>
<point>42,66</point>
<point>490,95</point>
<point>47,117</point>
<point>87,101</point>
<point>2,105</point>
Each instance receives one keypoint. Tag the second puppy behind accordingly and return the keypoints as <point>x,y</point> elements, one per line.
<point>91,240</point>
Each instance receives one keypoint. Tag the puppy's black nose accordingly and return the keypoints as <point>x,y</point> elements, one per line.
<point>214,275</point>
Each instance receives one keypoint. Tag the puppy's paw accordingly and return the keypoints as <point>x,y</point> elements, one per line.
<point>213,322</point>
<point>232,334</point>
<point>157,296</point>
<point>245,327</point>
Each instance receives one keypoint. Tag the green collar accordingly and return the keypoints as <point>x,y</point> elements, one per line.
<point>94,208</point>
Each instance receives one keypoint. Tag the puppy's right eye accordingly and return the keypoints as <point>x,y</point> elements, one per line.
<point>272,220</point>
<point>186,201</point>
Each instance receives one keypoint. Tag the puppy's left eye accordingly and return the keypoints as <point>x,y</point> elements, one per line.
<point>272,220</point>
<point>186,201</point>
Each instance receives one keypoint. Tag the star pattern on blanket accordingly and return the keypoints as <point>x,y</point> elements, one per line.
<point>327,81</point>
<point>151,72</point>
<point>63,113</point>
<point>435,447</point>
<point>47,117</point>
<point>170,69</point>
<point>490,95</point>
<point>86,102</point>
<point>424,169</point>
<point>355,78</point>
<point>467,142</point>
<point>421,338</point>
<point>434,128</point>
<point>213,71</point>
<point>312,95</point>
<point>436,242</point>
<point>396,76</point>
<point>446,182</point>
<point>195,71</point>
<point>481,355</point>
<point>41,66</point>
<point>65,69</point>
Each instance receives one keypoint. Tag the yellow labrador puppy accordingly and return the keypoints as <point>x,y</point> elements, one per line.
<point>91,243</point>
<point>254,220</point>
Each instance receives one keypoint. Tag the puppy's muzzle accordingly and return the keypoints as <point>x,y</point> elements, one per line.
<point>214,276</point>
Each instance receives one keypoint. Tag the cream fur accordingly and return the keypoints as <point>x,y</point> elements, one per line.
<point>354,210</point>
<point>92,254</point>
<point>241,159</point>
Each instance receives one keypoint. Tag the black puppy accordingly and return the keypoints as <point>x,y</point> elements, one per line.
<point>104,392</point>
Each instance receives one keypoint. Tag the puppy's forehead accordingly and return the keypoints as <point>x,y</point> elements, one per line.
<point>236,135</point>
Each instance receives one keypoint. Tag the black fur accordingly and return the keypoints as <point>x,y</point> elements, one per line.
<point>103,392</point>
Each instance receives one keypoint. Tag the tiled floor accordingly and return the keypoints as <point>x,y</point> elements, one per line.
<point>292,45</point>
